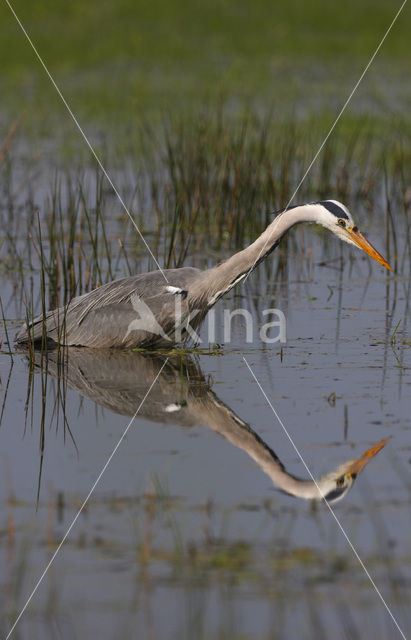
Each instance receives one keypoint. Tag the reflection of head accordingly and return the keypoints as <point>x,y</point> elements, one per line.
<point>339,482</point>
<point>333,486</point>
<point>336,489</point>
<point>119,380</point>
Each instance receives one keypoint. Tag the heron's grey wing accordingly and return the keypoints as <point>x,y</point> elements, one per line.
<point>104,317</point>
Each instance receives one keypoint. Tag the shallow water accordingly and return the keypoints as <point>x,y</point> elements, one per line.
<point>187,534</point>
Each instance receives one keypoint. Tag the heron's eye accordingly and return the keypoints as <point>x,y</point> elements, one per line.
<point>340,481</point>
<point>341,222</point>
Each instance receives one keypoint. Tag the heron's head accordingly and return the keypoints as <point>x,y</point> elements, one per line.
<point>335,217</point>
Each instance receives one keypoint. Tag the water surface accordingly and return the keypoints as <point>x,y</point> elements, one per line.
<point>187,533</point>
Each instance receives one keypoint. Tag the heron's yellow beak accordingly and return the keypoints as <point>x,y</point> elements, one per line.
<point>362,243</point>
<point>358,465</point>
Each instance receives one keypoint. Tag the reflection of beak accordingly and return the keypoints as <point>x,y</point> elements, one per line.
<point>358,465</point>
<point>362,243</point>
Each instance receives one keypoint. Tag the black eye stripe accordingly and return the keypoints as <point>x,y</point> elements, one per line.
<point>333,208</point>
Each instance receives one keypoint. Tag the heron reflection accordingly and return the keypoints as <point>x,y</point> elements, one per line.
<point>119,380</point>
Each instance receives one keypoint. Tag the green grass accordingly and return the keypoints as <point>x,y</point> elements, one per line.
<point>113,60</point>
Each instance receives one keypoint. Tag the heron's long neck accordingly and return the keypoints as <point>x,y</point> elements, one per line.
<point>227,274</point>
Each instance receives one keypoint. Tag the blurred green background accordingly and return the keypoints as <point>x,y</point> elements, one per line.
<point>113,60</point>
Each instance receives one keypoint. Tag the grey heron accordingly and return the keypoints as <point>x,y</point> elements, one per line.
<point>118,380</point>
<point>142,310</point>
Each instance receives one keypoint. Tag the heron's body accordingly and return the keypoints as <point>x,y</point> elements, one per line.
<point>108,316</point>
<point>156,309</point>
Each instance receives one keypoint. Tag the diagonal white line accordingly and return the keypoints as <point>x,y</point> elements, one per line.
<point>346,103</point>
<point>326,501</point>
<point>76,122</point>
<point>85,502</point>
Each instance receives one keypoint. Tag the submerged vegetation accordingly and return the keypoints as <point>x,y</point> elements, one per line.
<point>196,553</point>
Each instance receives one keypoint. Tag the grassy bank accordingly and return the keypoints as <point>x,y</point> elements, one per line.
<point>113,60</point>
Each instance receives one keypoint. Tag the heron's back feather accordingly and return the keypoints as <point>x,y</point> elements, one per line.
<point>107,317</point>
